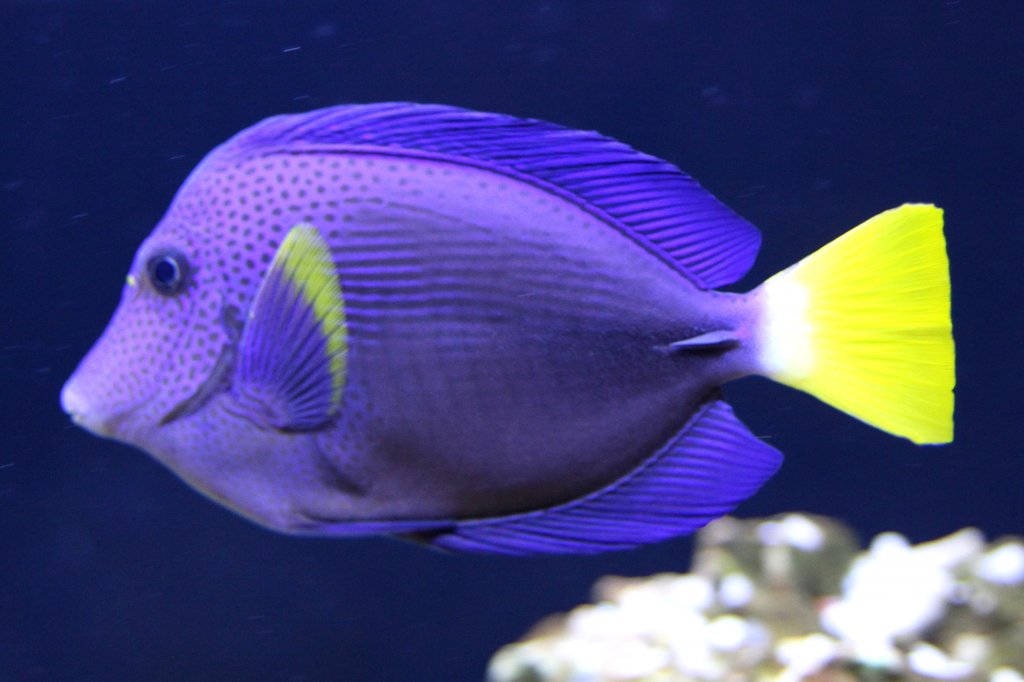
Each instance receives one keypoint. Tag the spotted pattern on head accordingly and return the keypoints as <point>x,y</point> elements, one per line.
<point>244,209</point>
<point>154,351</point>
<point>229,219</point>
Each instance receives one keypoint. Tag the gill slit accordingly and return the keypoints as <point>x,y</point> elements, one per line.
<point>231,321</point>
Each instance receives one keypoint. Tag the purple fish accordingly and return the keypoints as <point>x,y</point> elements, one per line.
<point>491,334</point>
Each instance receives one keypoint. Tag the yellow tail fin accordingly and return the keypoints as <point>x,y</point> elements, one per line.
<point>864,325</point>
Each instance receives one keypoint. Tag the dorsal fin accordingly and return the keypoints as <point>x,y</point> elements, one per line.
<point>650,199</point>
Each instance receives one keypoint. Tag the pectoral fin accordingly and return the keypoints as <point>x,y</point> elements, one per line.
<point>292,353</point>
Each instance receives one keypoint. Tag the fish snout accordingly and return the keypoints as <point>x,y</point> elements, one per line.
<point>74,402</point>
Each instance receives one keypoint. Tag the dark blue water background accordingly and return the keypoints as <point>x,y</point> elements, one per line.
<point>806,117</point>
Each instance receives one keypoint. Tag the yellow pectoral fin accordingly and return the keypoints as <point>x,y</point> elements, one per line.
<point>306,260</point>
<point>292,357</point>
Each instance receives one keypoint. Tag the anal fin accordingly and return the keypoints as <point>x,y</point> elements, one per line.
<point>712,464</point>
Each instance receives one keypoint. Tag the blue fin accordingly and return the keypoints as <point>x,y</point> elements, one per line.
<point>644,196</point>
<point>291,359</point>
<point>708,468</point>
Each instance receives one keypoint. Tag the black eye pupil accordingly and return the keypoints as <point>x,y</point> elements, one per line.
<point>166,273</point>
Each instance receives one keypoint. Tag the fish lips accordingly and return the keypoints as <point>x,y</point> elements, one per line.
<point>76,405</point>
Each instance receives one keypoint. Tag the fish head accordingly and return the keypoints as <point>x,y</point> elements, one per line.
<point>162,348</point>
<point>188,368</point>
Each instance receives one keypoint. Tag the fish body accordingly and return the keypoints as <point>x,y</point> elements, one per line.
<point>489,333</point>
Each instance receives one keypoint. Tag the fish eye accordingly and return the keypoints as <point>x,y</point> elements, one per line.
<point>167,273</point>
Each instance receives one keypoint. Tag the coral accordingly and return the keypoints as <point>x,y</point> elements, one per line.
<point>794,598</point>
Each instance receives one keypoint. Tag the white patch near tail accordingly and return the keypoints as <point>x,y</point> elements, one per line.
<point>786,330</point>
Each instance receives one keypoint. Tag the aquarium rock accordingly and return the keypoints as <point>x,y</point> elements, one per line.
<point>791,598</point>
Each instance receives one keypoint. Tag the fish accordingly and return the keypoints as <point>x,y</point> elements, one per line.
<point>492,334</point>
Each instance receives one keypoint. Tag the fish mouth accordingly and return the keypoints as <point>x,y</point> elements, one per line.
<point>74,404</point>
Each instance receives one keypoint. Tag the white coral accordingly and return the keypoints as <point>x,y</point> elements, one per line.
<point>720,624</point>
<point>1003,565</point>
<point>896,590</point>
